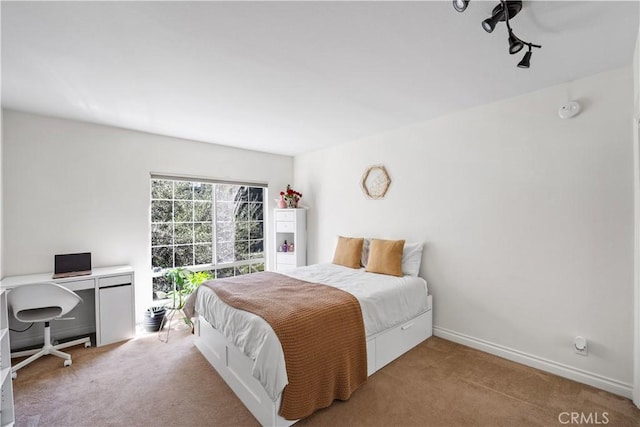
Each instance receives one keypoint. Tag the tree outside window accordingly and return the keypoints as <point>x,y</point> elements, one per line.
<point>205,226</point>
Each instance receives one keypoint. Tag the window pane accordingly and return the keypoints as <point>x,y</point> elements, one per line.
<point>243,269</point>
<point>183,211</point>
<point>257,249</point>
<point>224,252</point>
<point>203,233</point>
<point>183,233</point>
<point>161,284</point>
<point>225,272</point>
<point>242,194</point>
<point>202,191</point>
<point>161,211</point>
<point>256,230</point>
<point>183,190</point>
<point>162,257</point>
<point>257,267</point>
<point>224,211</point>
<point>161,234</point>
<point>202,211</point>
<point>203,254</point>
<point>255,211</point>
<point>184,256</point>
<point>242,231</point>
<point>226,192</point>
<point>241,250</point>
<point>161,189</point>
<point>255,194</point>
<point>241,212</point>
<point>225,231</point>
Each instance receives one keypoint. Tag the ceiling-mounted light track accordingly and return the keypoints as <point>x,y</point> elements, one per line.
<point>504,12</point>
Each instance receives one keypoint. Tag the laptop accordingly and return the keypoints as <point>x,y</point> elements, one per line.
<point>71,265</point>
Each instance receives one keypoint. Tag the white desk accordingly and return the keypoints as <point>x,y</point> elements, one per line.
<point>114,298</point>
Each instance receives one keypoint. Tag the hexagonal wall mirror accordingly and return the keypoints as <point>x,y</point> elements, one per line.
<point>375,182</point>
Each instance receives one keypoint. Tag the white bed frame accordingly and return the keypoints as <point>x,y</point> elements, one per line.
<point>235,367</point>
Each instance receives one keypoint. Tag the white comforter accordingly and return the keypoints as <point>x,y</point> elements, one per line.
<point>386,301</point>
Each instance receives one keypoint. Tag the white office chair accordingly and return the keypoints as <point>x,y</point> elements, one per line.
<point>43,302</point>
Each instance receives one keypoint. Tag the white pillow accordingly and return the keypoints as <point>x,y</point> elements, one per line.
<point>411,256</point>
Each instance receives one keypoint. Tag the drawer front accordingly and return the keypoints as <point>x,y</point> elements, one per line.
<point>78,285</point>
<point>285,258</point>
<point>285,267</point>
<point>285,216</point>
<point>401,339</point>
<point>285,226</point>
<point>123,279</point>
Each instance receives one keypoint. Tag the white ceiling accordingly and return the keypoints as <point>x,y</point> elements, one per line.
<point>291,77</point>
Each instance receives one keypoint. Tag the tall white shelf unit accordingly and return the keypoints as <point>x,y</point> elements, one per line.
<point>7,415</point>
<point>290,225</point>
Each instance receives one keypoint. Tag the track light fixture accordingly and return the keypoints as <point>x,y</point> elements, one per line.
<point>515,44</point>
<point>504,12</point>
<point>526,60</point>
<point>460,5</point>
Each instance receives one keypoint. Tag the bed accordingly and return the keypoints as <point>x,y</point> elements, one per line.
<point>244,350</point>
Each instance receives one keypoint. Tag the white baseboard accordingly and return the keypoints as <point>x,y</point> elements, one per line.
<point>608,384</point>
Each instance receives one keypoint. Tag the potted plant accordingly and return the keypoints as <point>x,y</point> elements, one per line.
<point>153,318</point>
<point>185,282</point>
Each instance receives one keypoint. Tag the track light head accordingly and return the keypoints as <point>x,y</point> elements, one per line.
<point>497,15</point>
<point>460,5</point>
<point>515,44</point>
<point>490,23</point>
<point>525,60</point>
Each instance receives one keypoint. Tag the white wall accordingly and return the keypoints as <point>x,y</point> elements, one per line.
<point>527,220</point>
<point>636,184</point>
<point>1,198</point>
<point>73,187</point>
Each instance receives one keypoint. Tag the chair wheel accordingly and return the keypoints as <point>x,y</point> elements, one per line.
<point>87,344</point>
<point>14,375</point>
<point>67,363</point>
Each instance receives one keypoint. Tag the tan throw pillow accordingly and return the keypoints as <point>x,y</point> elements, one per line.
<point>348,252</point>
<point>385,257</point>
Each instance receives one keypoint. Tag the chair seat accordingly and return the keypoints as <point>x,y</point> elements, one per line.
<point>43,302</point>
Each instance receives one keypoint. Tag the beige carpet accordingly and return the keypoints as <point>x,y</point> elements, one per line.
<point>145,382</point>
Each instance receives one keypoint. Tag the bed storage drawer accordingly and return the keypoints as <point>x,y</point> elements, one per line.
<point>399,340</point>
<point>214,341</point>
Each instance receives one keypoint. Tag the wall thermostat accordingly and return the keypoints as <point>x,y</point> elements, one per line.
<point>570,109</point>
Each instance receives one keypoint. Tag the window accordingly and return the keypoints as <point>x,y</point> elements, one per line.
<point>210,226</point>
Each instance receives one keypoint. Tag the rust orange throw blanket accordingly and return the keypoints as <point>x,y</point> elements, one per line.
<point>321,331</point>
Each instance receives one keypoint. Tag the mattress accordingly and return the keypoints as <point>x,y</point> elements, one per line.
<point>385,301</point>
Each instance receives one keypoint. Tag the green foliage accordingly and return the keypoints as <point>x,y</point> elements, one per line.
<point>185,283</point>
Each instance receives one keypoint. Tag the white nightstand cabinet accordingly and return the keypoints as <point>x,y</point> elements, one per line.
<point>290,225</point>
<point>7,416</point>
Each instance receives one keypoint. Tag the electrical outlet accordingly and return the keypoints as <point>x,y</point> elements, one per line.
<point>580,346</point>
